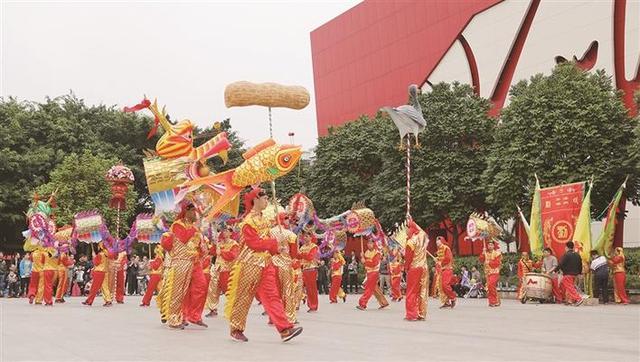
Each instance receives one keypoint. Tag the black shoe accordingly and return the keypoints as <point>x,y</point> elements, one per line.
<point>290,333</point>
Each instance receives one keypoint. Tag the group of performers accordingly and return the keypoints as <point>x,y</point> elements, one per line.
<point>49,273</point>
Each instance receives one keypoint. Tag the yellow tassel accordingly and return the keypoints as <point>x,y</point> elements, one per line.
<point>163,299</point>
<point>234,280</point>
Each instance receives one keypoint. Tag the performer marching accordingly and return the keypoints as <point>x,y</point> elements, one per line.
<point>395,267</point>
<point>309,257</point>
<point>226,251</point>
<point>119,267</point>
<point>64,262</point>
<point>371,260</point>
<point>49,272</point>
<point>37,256</point>
<point>155,276</point>
<point>492,260</point>
<point>417,273</point>
<point>287,251</point>
<point>254,269</point>
<point>525,265</point>
<point>337,266</point>
<point>445,267</point>
<point>194,299</point>
<point>98,273</point>
<point>619,277</point>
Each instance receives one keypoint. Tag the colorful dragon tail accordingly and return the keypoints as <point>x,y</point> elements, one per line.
<point>163,300</point>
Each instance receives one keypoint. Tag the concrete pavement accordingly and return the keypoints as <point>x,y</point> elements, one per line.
<point>338,332</point>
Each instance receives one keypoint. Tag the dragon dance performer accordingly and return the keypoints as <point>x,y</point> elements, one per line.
<point>395,267</point>
<point>492,260</point>
<point>64,262</point>
<point>371,260</point>
<point>119,266</point>
<point>309,258</point>
<point>194,300</point>
<point>98,274</point>
<point>155,276</point>
<point>298,283</point>
<point>445,267</point>
<point>254,271</point>
<point>226,251</point>
<point>525,265</point>
<point>415,256</point>
<point>181,242</point>
<point>287,251</point>
<point>337,267</point>
<point>36,282</point>
<point>619,277</point>
<point>49,273</point>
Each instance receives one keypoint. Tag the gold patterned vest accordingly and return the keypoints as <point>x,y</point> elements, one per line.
<point>261,226</point>
<point>418,244</point>
<point>285,237</point>
<point>221,264</point>
<point>369,255</point>
<point>442,251</point>
<point>618,267</point>
<point>489,257</point>
<point>305,249</point>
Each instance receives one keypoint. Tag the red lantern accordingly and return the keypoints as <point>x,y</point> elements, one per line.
<point>120,178</point>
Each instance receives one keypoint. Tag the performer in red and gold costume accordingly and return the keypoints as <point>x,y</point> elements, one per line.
<point>337,266</point>
<point>64,262</point>
<point>194,299</point>
<point>37,258</point>
<point>415,256</point>
<point>619,277</point>
<point>445,266</point>
<point>254,271</point>
<point>525,265</point>
<point>371,260</point>
<point>98,274</point>
<point>109,283</point>
<point>120,266</point>
<point>309,258</point>
<point>287,251</point>
<point>492,259</point>
<point>226,251</point>
<point>181,242</point>
<point>49,272</point>
<point>155,276</point>
<point>395,267</point>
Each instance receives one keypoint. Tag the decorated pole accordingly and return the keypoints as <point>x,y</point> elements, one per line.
<point>120,178</point>
<point>408,216</point>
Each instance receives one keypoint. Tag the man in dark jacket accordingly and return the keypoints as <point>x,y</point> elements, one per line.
<point>571,266</point>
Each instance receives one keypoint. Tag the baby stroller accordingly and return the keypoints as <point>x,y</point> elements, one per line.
<point>477,290</point>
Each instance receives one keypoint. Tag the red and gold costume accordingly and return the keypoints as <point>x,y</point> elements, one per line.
<point>298,283</point>
<point>98,273</point>
<point>445,282</point>
<point>194,300</point>
<point>49,273</point>
<point>226,252</point>
<point>415,256</point>
<point>287,251</point>
<point>492,262</point>
<point>181,243</point>
<point>253,272</point>
<point>371,262</point>
<point>109,283</point>
<point>155,276</point>
<point>309,259</point>
<point>619,277</point>
<point>36,280</point>
<point>395,267</point>
<point>120,266</point>
<point>64,262</point>
<point>524,266</point>
<point>337,266</point>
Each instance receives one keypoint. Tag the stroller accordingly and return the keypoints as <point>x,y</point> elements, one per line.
<point>477,290</point>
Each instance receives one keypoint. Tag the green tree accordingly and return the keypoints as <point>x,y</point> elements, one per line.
<point>81,185</point>
<point>565,127</point>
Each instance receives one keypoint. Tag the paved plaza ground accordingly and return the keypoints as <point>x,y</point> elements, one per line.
<point>338,332</point>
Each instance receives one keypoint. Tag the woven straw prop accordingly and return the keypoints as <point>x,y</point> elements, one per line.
<point>243,93</point>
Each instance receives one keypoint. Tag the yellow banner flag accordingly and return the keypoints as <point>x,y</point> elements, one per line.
<point>535,232</point>
<point>582,235</point>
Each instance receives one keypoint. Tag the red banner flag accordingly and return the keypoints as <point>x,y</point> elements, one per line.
<point>560,210</point>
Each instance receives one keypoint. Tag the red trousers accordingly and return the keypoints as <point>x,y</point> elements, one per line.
<point>619,281</point>
<point>154,281</point>
<point>48,286</point>
<point>396,293</point>
<point>61,289</point>
<point>369,288</point>
<point>336,283</point>
<point>492,289</point>
<point>120,286</point>
<point>269,296</point>
<point>569,287</point>
<point>223,281</point>
<point>193,303</point>
<point>310,277</point>
<point>557,291</point>
<point>33,284</point>
<point>414,298</point>
<point>445,280</point>
<point>97,277</point>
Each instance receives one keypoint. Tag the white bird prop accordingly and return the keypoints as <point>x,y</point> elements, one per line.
<point>408,118</point>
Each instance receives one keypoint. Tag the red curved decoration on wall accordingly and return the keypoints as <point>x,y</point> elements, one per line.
<point>473,66</point>
<point>627,86</point>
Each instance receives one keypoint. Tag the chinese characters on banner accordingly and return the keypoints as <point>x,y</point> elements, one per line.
<point>560,210</point>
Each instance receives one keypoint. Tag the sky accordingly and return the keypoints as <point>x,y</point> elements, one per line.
<point>182,53</point>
